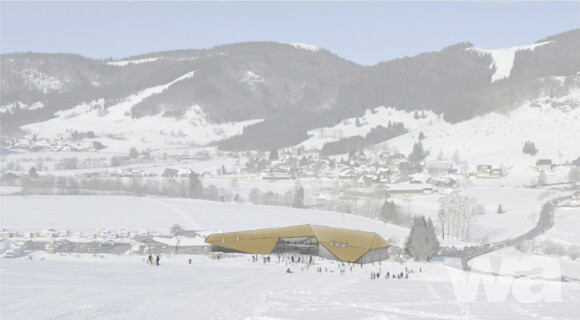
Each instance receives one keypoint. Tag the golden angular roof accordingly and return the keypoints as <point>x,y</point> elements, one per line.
<point>347,245</point>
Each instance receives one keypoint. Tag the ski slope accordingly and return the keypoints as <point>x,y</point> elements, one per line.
<point>303,46</point>
<point>123,63</point>
<point>106,286</point>
<point>503,59</point>
<point>118,130</point>
<point>124,287</point>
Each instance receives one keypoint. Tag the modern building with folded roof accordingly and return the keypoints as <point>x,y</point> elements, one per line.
<point>328,242</point>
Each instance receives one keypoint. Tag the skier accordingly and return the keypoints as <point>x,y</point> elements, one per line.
<point>157,260</point>
<point>189,261</point>
<point>150,259</point>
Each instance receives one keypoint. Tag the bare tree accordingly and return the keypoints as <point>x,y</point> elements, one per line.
<point>177,232</point>
<point>455,215</point>
<point>234,184</point>
<point>542,179</point>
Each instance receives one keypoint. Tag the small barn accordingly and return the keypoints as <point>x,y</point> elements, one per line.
<point>544,164</point>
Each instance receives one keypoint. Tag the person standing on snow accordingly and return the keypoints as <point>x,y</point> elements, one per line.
<point>157,260</point>
<point>150,259</point>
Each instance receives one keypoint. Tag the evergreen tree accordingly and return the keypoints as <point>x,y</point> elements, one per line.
<point>97,145</point>
<point>418,154</point>
<point>32,174</point>
<point>255,196</point>
<point>133,153</point>
<point>456,158</point>
<point>212,193</point>
<point>274,155</point>
<point>389,212</point>
<point>529,148</point>
<point>300,150</point>
<point>421,136</point>
<point>298,201</point>
<point>115,162</point>
<point>195,186</point>
<point>268,198</point>
<point>416,115</point>
<point>422,243</point>
<point>574,174</point>
<point>500,209</point>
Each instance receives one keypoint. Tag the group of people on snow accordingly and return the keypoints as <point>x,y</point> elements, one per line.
<point>304,262</point>
<point>156,260</point>
<point>405,275</point>
<point>377,275</point>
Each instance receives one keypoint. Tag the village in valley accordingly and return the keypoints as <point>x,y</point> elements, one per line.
<point>358,183</point>
<point>187,161</point>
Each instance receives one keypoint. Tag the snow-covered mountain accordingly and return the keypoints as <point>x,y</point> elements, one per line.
<point>118,130</point>
<point>279,92</point>
<point>552,123</point>
<point>503,59</point>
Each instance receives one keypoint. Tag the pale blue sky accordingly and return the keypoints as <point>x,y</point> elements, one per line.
<point>365,33</point>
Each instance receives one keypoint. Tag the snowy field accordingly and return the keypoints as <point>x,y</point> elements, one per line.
<point>569,268</point>
<point>124,287</point>
<point>566,228</point>
<point>497,139</point>
<point>83,286</point>
<point>521,207</point>
<point>86,213</point>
